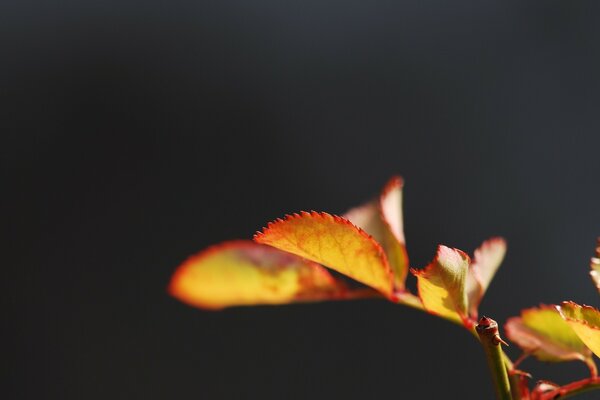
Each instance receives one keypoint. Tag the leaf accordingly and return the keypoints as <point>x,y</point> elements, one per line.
<point>368,218</point>
<point>391,207</point>
<point>383,220</point>
<point>585,321</point>
<point>390,204</point>
<point>486,262</point>
<point>334,242</point>
<point>543,333</point>
<point>241,273</point>
<point>595,266</point>
<point>442,285</point>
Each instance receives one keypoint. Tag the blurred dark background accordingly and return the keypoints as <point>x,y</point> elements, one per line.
<point>133,135</point>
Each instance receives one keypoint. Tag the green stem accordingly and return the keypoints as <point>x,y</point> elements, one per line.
<point>487,329</point>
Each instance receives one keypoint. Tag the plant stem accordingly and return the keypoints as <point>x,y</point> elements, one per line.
<point>487,329</point>
<point>572,389</point>
<point>516,386</point>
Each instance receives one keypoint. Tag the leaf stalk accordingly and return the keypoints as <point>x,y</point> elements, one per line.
<point>572,389</point>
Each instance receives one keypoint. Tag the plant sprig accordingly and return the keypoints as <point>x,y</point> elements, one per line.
<point>289,261</point>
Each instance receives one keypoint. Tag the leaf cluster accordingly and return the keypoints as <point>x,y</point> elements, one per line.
<point>291,258</point>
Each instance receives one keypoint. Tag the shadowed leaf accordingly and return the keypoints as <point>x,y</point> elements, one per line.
<point>334,242</point>
<point>442,284</point>
<point>383,220</point>
<point>585,321</point>
<point>543,333</point>
<point>241,273</point>
<point>486,262</point>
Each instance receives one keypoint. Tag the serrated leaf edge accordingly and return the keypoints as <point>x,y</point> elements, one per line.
<point>337,219</point>
<point>466,320</point>
<point>584,306</point>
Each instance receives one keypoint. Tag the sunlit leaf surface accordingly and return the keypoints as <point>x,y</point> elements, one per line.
<point>383,220</point>
<point>486,262</point>
<point>334,242</point>
<point>442,284</point>
<point>246,273</point>
<point>543,333</point>
<point>585,321</point>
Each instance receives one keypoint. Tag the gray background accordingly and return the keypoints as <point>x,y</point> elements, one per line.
<point>134,135</point>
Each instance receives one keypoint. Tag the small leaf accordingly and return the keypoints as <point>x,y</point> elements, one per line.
<point>383,220</point>
<point>368,218</point>
<point>595,266</point>
<point>334,242</point>
<point>486,262</point>
<point>585,321</point>
<point>543,333</point>
<point>391,207</point>
<point>442,285</point>
<point>241,273</point>
<point>390,204</point>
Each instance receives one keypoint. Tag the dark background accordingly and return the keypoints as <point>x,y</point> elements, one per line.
<point>134,135</point>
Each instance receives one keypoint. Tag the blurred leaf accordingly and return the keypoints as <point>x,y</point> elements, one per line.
<point>334,242</point>
<point>240,273</point>
<point>367,217</point>
<point>486,262</point>
<point>442,285</point>
<point>585,321</point>
<point>383,220</point>
<point>595,266</point>
<point>543,333</point>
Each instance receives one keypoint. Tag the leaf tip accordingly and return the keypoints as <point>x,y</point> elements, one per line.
<point>395,182</point>
<point>451,254</point>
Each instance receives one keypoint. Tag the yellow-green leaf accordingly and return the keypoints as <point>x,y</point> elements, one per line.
<point>585,321</point>
<point>239,273</point>
<point>542,332</point>
<point>595,266</point>
<point>486,262</point>
<point>383,220</point>
<point>334,242</point>
<point>442,285</point>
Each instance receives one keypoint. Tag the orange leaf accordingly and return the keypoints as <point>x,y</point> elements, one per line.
<point>486,262</point>
<point>442,285</point>
<point>241,273</point>
<point>383,220</point>
<point>334,242</point>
